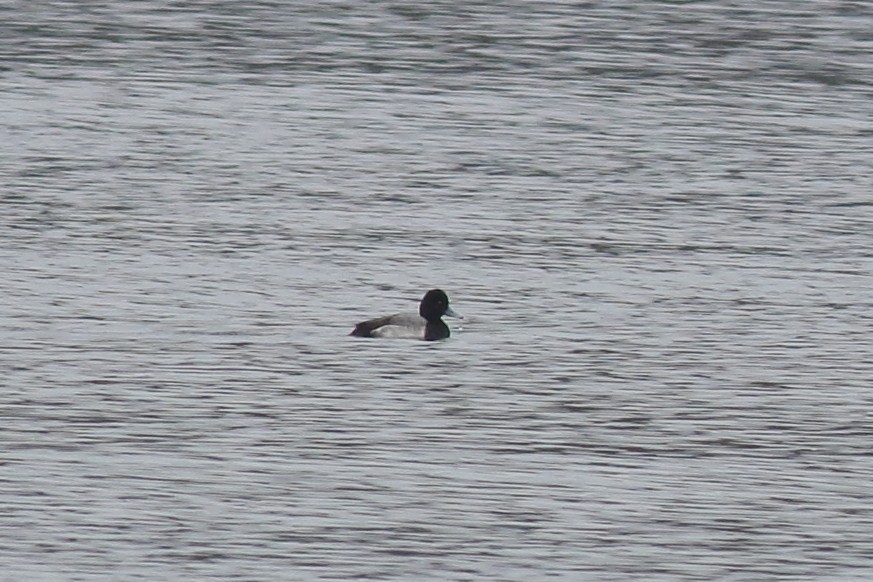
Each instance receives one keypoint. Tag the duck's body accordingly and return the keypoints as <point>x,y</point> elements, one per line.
<point>426,325</point>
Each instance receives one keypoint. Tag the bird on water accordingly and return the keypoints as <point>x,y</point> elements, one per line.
<point>426,325</point>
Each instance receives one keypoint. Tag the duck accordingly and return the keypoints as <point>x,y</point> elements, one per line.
<point>426,325</point>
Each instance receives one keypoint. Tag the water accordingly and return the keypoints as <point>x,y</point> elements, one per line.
<point>656,218</point>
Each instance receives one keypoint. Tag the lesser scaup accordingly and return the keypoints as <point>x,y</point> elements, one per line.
<point>427,325</point>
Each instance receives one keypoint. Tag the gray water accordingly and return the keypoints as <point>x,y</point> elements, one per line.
<point>656,218</point>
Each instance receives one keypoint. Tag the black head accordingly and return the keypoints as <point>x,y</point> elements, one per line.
<point>433,305</point>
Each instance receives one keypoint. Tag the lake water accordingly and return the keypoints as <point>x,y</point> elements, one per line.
<point>656,218</point>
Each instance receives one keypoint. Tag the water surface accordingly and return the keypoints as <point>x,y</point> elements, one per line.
<point>656,220</point>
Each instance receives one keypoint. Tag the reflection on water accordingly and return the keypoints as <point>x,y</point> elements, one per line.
<point>654,219</point>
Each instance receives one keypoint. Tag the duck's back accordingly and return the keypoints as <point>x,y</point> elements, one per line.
<point>408,325</point>
<point>403,325</point>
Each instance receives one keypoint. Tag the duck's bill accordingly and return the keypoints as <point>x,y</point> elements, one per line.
<point>452,313</point>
